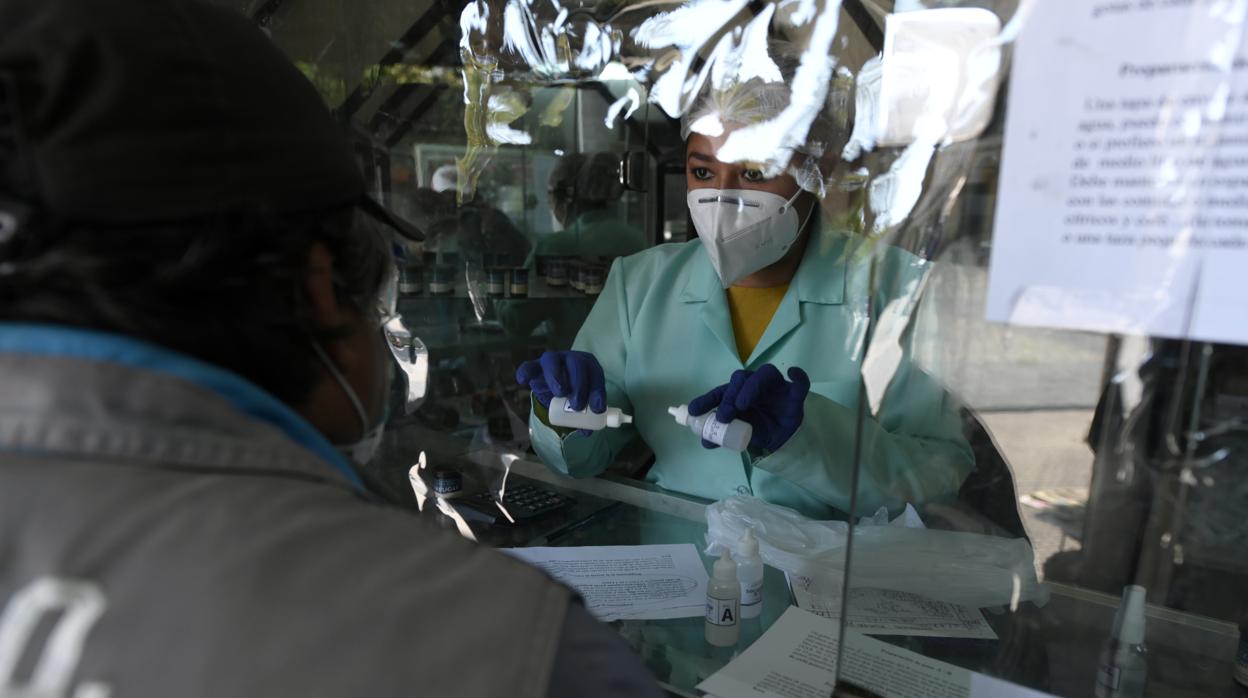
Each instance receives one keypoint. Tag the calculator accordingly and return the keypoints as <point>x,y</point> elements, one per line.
<point>524,503</point>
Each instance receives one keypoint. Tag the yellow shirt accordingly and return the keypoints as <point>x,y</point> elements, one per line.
<point>752,310</point>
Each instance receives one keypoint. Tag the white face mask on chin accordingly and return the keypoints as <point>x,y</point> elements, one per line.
<point>365,449</point>
<point>743,230</point>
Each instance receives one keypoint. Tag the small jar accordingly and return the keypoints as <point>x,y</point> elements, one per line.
<point>496,282</point>
<point>442,282</point>
<point>412,279</point>
<point>519,283</point>
<point>595,279</point>
<point>556,273</point>
<point>576,276</point>
<point>447,483</point>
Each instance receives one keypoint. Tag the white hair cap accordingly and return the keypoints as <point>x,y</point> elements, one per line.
<point>755,101</point>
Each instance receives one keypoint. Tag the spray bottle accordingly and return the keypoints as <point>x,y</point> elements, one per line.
<point>1123,669</point>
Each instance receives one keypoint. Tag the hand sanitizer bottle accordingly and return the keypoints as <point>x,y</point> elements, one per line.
<point>561,414</point>
<point>734,436</point>
<point>1123,670</point>
<point>723,603</point>
<point>750,575</point>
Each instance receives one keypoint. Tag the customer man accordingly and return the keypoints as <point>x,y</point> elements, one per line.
<point>189,318</point>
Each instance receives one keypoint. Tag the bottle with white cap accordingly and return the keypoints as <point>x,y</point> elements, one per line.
<point>723,603</point>
<point>1123,670</point>
<point>734,436</point>
<point>750,575</point>
<point>561,414</point>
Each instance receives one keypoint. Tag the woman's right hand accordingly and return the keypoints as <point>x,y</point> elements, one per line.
<point>576,375</point>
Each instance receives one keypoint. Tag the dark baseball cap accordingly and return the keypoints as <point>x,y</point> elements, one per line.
<point>138,111</point>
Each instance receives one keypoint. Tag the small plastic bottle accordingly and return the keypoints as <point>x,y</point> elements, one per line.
<point>734,436</point>
<point>561,414</point>
<point>1123,669</point>
<point>723,603</point>
<point>750,575</point>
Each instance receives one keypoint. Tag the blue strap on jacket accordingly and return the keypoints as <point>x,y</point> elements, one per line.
<point>53,340</point>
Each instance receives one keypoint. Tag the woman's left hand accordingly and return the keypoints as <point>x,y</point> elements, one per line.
<point>773,406</point>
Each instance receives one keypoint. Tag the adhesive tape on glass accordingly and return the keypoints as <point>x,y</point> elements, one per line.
<point>714,430</point>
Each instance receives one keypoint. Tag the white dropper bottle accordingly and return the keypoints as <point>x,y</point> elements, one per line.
<point>750,575</point>
<point>734,436</point>
<point>1123,669</point>
<point>723,603</point>
<point>561,414</point>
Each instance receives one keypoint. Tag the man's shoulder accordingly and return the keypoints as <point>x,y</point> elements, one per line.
<point>340,587</point>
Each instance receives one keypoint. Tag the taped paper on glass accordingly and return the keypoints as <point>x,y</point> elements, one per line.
<point>1122,205</point>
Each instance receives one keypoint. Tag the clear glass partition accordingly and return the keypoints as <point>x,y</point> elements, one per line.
<point>794,215</point>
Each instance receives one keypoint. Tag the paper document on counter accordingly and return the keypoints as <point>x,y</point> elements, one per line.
<point>892,612</point>
<point>628,581</point>
<point>796,658</point>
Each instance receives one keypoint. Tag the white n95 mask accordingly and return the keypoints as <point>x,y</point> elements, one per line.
<point>743,230</point>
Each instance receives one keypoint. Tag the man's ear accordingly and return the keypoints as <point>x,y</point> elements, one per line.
<point>328,311</point>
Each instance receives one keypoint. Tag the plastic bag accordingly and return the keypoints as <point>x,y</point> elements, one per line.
<point>963,568</point>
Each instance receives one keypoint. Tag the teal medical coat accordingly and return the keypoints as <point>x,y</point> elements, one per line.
<point>662,331</point>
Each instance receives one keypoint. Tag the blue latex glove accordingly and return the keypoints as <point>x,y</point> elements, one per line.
<point>773,406</point>
<point>576,375</point>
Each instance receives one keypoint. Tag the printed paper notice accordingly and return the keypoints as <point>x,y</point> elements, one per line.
<point>628,581</point>
<point>796,658</point>
<point>1123,203</point>
<point>891,612</point>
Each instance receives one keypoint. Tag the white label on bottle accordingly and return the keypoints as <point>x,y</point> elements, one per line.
<point>752,593</point>
<point>714,430</point>
<point>722,611</point>
<point>1109,676</point>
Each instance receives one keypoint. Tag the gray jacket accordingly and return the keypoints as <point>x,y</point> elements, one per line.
<point>155,542</point>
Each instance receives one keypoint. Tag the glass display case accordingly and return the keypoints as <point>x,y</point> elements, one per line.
<point>1048,500</point>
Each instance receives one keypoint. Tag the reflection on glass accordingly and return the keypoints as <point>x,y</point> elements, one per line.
<point>583,191</point>
<point>827,290</point>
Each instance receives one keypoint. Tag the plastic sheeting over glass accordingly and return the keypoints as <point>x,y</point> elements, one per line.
<point>813,193</point>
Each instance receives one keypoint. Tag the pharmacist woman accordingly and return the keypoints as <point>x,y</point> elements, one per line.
<point>763,318</point>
